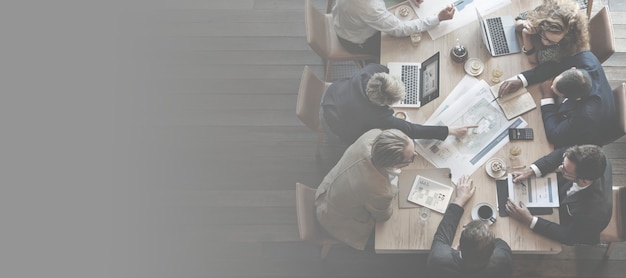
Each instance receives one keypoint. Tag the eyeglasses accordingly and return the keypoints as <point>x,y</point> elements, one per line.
<point>550,42</point>
<point>566,174</point>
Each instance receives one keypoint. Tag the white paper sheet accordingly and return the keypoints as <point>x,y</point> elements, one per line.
<point>535,192</point>
<point>466,154</point>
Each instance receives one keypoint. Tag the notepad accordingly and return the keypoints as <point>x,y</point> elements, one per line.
<point>514,104</point>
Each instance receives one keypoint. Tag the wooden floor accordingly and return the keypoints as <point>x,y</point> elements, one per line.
<point>221,151</point>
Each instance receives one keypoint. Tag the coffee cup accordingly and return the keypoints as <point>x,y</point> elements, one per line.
<point>485,212</point>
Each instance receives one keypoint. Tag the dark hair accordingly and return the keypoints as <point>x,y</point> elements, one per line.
<point>477,243</point>
<point>574,83</point>
<point>590,161</point>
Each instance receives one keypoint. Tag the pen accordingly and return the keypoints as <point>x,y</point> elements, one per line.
<point>494,99</point>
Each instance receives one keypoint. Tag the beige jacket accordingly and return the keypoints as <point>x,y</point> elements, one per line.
<point>354,195</point>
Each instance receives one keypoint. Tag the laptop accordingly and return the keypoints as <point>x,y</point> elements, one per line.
<point>499,34</point>
<point>421,81</point>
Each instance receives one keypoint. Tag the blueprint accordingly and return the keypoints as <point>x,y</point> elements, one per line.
<point>463,155</point>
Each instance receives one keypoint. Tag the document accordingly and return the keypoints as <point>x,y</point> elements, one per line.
<point>430,194</point>
<point>465,13</point>
<point>514,104</point>
<point>464,155</point>
<point>535,191</point>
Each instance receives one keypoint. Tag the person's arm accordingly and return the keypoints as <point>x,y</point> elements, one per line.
<point>578,127</point>
<point>379,18</point>
<point>582,229</point>
<point>380,208</point>
<point>549,163</point>
<point>502,258</point>
<point>415,131</point>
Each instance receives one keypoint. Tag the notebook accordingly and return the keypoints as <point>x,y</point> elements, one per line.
<point>514,104</point>
<point>421,81</point>
<point>499,35</point>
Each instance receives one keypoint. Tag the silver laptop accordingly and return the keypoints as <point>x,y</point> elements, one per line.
<point>499,35</point>
<point>421,81</point>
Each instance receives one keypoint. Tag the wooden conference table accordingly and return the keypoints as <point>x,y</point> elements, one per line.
<point>404,232</point>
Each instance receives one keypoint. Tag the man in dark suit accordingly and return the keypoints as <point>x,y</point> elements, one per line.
<point>479,254</point>
<point>587,114</point>
<point>584,192</point>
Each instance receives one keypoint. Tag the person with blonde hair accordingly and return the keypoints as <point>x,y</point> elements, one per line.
<point>553,30</point>
<point>358,191</point>
<point>352,106</point>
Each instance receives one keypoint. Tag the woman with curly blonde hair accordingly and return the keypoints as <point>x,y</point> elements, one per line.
<point>554,30</point>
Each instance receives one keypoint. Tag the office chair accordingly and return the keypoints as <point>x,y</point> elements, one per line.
<point>308,226</point>
<point>308,104</point>
<point>601,37</point>
<point>321,37</point>
<point>619,129</point>
<point>615,231</point>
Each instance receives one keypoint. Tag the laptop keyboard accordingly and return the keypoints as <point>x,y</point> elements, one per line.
<point>411,79</point>
<point>498,40</point>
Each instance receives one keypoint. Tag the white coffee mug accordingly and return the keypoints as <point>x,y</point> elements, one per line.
<point>485,212</point>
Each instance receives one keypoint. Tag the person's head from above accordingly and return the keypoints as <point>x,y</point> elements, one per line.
<point>572,83</point>
<point>583,164</point>
<point>477,243</point>
<point>384,89</point>
<point>561,22</point>
<point>392,149</point>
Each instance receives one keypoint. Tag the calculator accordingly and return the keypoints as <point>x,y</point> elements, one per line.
<point>521,134</point>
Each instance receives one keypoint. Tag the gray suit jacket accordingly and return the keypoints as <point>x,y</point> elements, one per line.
<point>354,195</point>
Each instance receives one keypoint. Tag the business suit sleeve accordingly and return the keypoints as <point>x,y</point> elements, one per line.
<point>544,72</point>
<point>578,231</point>
<point>380,208</point>
<point>550,162</point>
<point>373,68</point>
<point>441,252</point>
<point>417,131</point>
<point>577,126</point>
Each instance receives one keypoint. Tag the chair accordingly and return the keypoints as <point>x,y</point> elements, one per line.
<point>601,37</point>
<point>307,223</point>
<point>321,37</point>
<point>585,5</point>
<point>308,104</point>
<point>615,231</point>
<point>619,130</point>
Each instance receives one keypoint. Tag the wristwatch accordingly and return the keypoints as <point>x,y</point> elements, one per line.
<point>528,52</point>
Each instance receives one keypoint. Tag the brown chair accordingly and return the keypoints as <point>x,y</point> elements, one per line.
<point>601,37</point>
<point>615,231</point>
<point>308,104</point>
<point>619,130</point>
<point>585,5</point>
<point>309,229</point>
<point>321,37</point>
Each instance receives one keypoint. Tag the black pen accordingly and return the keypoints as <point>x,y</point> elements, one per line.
<point>494,99</point>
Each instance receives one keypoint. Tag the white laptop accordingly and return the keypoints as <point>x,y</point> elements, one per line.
<point>421,81</point>
<point>499,35</point>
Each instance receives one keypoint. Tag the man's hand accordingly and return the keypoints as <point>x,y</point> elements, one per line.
<point>464,190</point>
<point>510,86</point>
<point>460,130</point>
<point>521,176</point>
<point>417,2</point>
<point>447,13</point>
<point>546,89</point>
<point>519,212</point>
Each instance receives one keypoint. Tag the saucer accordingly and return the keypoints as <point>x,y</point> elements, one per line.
<point>495,175</point>
<point>475,212</point>
<point>407,17</point>
<point>468,67</point>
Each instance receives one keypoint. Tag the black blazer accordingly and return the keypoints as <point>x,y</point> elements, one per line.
<point>349,113</point>
<point>584,214</point>
<point>443,261</point>
<point>587,121</point>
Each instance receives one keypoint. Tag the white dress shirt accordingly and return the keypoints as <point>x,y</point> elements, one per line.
<point>358,20</point>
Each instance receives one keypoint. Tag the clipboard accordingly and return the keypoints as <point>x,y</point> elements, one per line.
<point>502,191</point>
<point>406,178</point>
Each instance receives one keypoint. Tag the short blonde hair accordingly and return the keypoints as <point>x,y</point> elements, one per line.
<point>384,89</point>
<point>388,148</point>
<point>563,16</point>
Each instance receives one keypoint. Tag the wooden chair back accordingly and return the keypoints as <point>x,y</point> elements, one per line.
<point>309,97</point>
<point>307,222</point>
<point>601,37</point>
